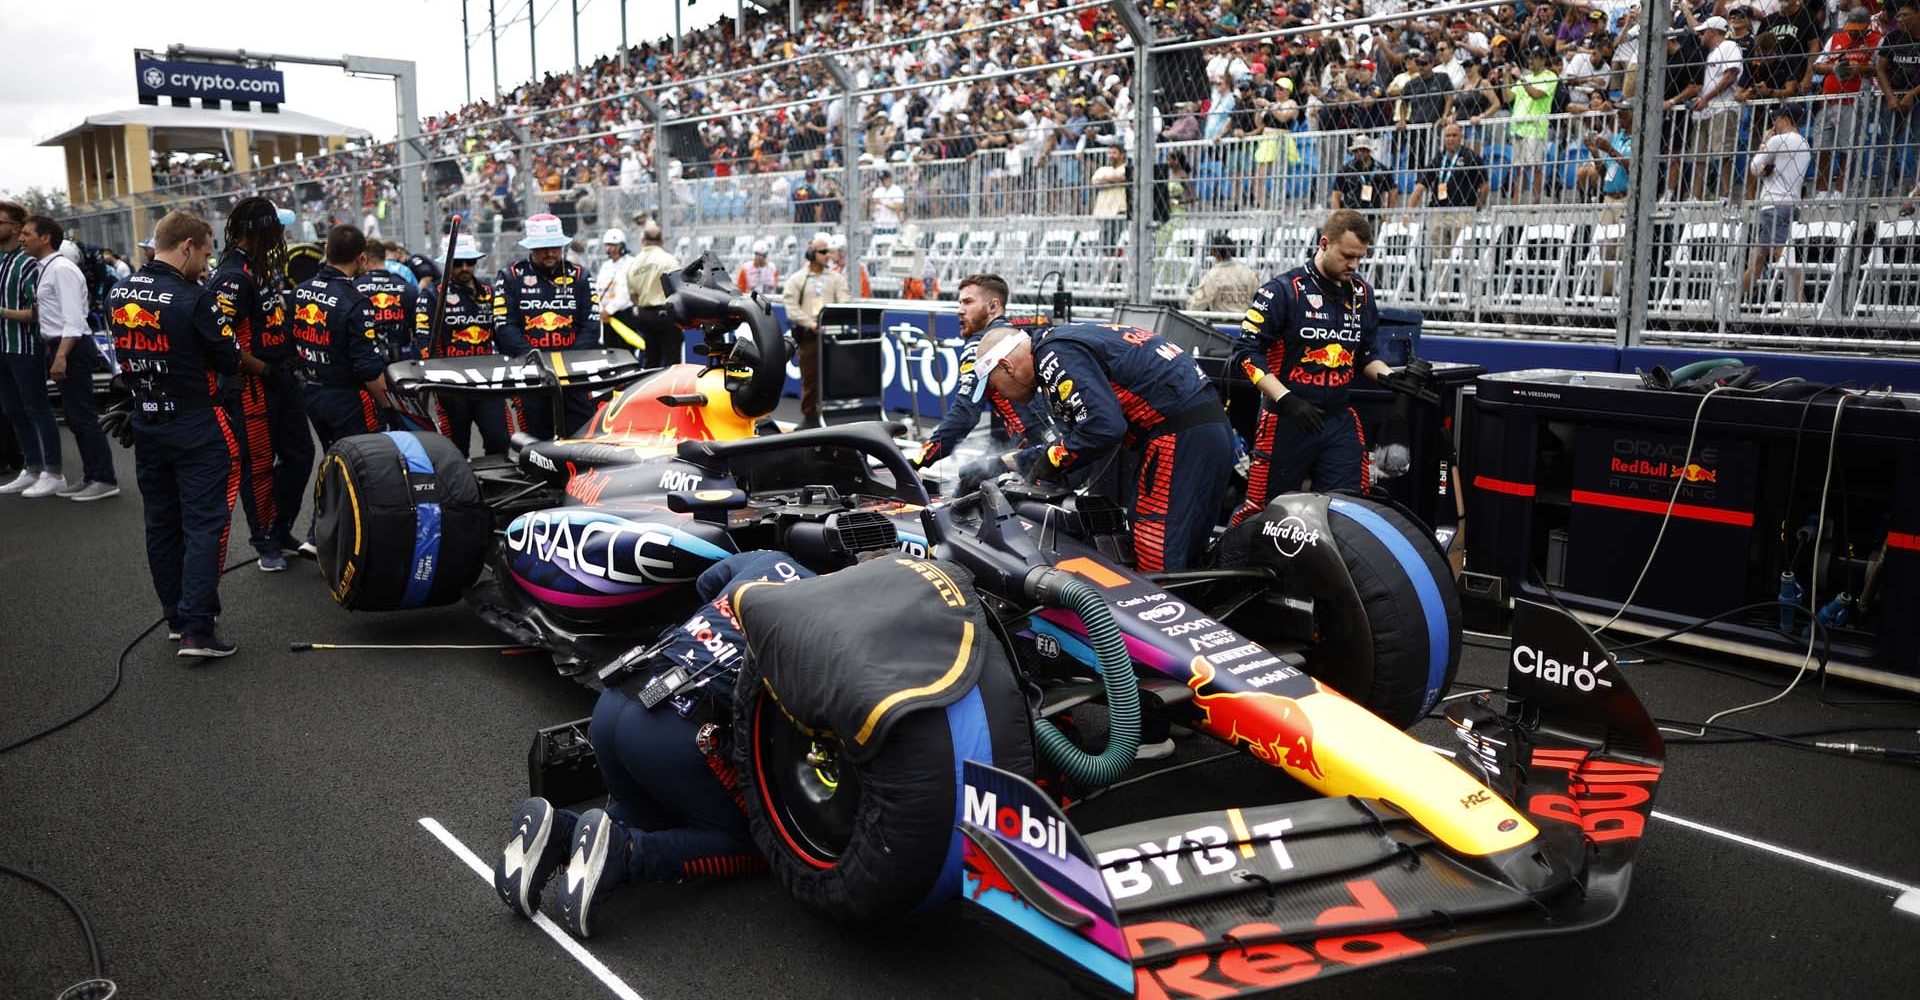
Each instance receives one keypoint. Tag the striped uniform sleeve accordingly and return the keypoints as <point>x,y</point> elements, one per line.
<point>1260,329</point>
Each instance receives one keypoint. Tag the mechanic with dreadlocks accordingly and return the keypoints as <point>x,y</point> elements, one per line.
<point>466,331</point>
<point>1113,386</point>
<point>982,307</point>
<point>173,338</point>
<point>265,402</point>
<point>660,741</point>
<point>546,302</point>
<point>394,300</point>
<point>339,343</point>
<point>1303,338</point>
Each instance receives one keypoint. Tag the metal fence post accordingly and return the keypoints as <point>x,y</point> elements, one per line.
<point>851,212</point>
<point>660,158</point>
<point>1649,132</point>
<point>1139,265</point>
<point>529,187</point>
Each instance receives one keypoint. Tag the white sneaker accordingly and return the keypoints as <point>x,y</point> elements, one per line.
<point>21,482</point>
<point>92,491</point>
<point>47,485</point>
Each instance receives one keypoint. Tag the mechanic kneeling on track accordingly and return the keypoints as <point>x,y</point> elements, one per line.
<point>659,740</point>
<point>1303,338</point>
<point>339,343</point>
<point>546,302</point>
<point>466,331</point>
<point>1111,386</point>
<point>172,337</point>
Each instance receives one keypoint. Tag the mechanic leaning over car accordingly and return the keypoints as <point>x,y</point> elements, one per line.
<point>1114,386</point>
<point>1303,338</point>
<point>983,307</point>
<point>266,402</point>
<point>546,302</point>
<point>394,301</point>
<point>173,338</point>
<point>339,343</point>
<point>466,331</point>
<point>659,735</point>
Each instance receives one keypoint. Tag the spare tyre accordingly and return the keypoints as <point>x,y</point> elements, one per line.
<point>1386,615</point>
<point>398,521</point>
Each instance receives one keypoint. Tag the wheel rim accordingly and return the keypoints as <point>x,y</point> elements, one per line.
<point>811,797</point>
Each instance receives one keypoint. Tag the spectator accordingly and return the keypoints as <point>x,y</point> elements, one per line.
<point>1898,72</point>
<point>60,300</point>
<point>1110,198</point>
<point>1479,97</point>
<point>1843,64</point>
<point>1425,100</point>
<point>1686,70</point>
<point>1716,115</point>
<point>1780,168</point>
<point>806,199</point>
<point>1228,285</point>
<point>887,205</point>
<point>806,292</point>
<point>1798,31</point>
<point>1363,183</point>
<point>1532,94</point>
<point>1456,176</point>
<point>1606,172</point>
<point>23,360</point>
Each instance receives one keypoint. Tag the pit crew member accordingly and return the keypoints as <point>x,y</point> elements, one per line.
<point>546,302</point>
<point>1111,387</point>
<point>395,302</point>
<point>658,740</point>
<point>173,338</point>
<point>466,331</point>
<point>339,343</point>
<point>982,307</point>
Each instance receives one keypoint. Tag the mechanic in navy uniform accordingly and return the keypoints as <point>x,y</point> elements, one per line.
<point>659,739</point>
<point>982,307</point>
<point>339,343</point>
<point>466,331</point>
<point>265,403</point>
<point>1306,334</point>
<point>395,306</point>
<point>173,340</point>
<point>546,302</point>
<point>1112,387</point>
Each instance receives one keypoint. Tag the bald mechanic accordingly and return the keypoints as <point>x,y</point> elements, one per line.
<point>1115,386</point>
<point>983,307</point>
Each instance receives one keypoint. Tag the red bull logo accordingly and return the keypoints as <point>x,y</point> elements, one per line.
<point>1334,355</point>
<point>1696,473</point>
<point>1272,727</point>
<point>384,300</point>
<point>310,313</point>
<point>549,322</point>
<point>133,316</point>
<point>473,335</point>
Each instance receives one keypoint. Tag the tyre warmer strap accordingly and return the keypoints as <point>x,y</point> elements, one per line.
<point>1432,607</point>
<point>422,486</point>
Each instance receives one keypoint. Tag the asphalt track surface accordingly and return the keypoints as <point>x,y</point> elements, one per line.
<point>251,827</point>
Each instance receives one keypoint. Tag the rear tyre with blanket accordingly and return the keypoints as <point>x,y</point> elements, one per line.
<point>399,522</point>
<point>1406,598</point>
<point>864,842</point>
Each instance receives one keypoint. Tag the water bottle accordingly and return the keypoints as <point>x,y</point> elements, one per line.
<point>1790,594</point>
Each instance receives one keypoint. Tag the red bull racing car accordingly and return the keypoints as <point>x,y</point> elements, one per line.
<point>916,721</point>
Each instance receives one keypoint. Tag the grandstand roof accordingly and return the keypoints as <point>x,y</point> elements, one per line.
<point>181,124</point>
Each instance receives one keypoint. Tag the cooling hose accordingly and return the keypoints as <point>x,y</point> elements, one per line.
<point>1054,588</point>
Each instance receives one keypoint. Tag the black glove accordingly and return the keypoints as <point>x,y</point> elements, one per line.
<point>979,471</point>
<point>1305,415</point>
<point>116,421</point>
<point>1415,380</point>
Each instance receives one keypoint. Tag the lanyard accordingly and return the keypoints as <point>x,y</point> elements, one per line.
<point>1446,169</point>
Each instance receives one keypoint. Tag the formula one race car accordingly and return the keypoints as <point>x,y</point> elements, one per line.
<point>915,718</point>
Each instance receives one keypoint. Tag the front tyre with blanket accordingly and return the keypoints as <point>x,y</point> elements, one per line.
<point>1385,627</point>
<point>399,522</point>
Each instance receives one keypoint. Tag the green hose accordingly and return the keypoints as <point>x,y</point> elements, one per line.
<point>1059,590</point>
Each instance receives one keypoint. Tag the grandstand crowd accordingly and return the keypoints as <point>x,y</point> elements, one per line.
<point>1535,87</point>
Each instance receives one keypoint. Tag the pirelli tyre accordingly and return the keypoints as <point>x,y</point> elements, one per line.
<point>1390,640</point>
<point>867,842</point>
<point>399,522</point>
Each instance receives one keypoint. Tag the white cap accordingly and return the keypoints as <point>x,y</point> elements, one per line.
<point>837,242</point>
<point>1714,23</point>
<point>70,250</point>
<point>762,246</point>
<point>614,235</point>
<point>465,249</point>
<point>544,230</point>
